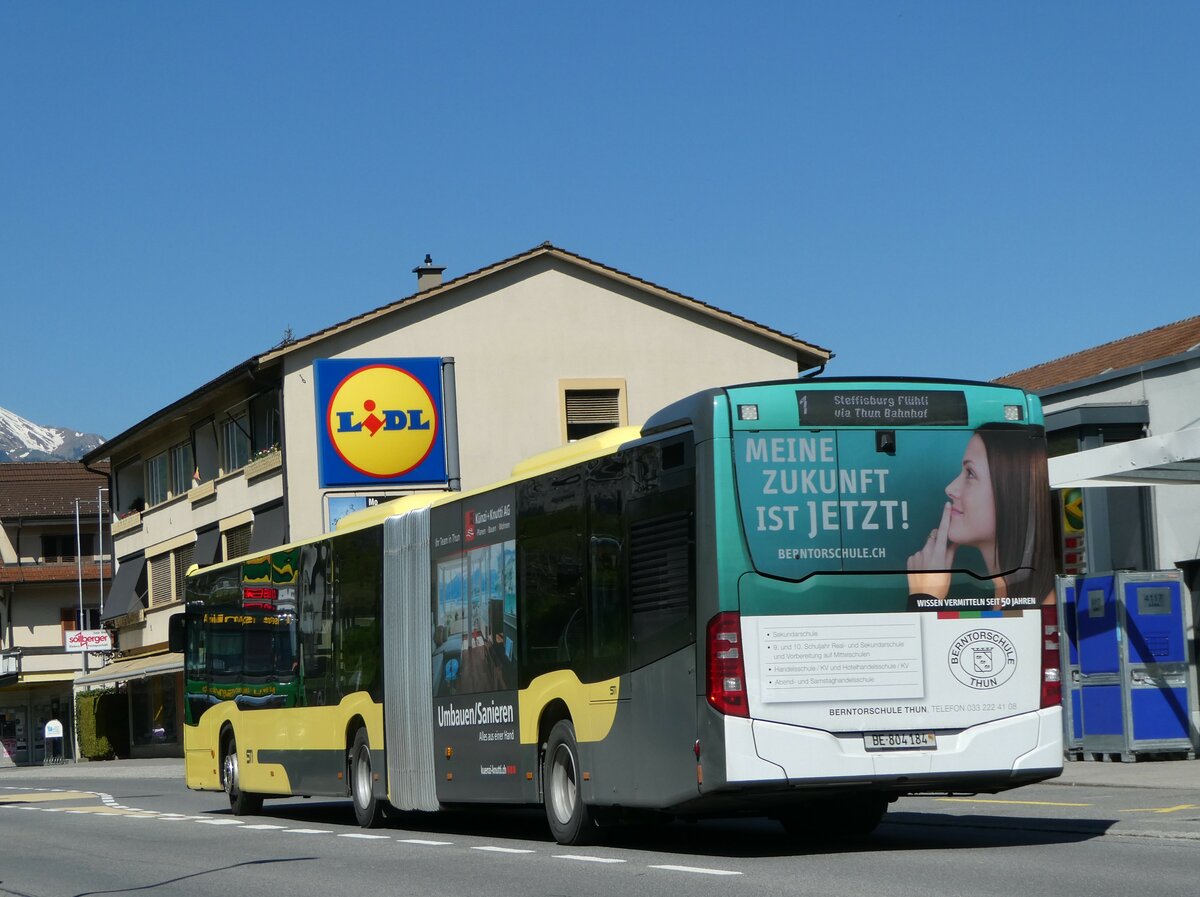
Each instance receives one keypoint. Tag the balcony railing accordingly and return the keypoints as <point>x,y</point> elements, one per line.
<point>129,522</point>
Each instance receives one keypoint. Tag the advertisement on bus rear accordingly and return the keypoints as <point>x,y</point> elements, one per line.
<point>962,513</point>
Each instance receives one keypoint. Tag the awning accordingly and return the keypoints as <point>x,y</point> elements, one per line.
<point>1172,458</point>
<point>137,668</point>
<point>268,528</point>
<point>128,587</point>
<point>205,550</point>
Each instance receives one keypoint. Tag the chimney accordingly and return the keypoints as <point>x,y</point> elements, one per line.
<point>428,274</point>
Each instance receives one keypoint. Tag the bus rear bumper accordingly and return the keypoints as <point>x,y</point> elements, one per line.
<point>992,756</point>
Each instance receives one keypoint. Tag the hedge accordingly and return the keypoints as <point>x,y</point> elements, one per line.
<point>103,721</point>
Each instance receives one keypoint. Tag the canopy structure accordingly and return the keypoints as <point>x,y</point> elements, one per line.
<point>137,668</point>
<point>1169,459</point>
<point>128,587</point>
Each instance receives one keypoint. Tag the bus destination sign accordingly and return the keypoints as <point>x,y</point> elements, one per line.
<point>882,408</point>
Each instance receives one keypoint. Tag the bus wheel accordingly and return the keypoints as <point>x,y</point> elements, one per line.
<point>570,819</point>
<point>368,810</point>
<point>242,803</point>
<point>845,819</point>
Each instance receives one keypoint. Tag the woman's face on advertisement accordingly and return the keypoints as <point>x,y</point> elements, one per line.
<point>972,503</point>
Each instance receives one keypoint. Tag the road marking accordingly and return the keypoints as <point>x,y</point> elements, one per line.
<point>44,796</point>
<point>1018,803</point>
<point>586,859</point>
<point>264,827</point>
<point>700,870</point>
<point>309,831</point>
<point>424,842</point>
<point>1164,809</point>
<point>503,849</point>
<point>360,835</point>
<point>218,821</point>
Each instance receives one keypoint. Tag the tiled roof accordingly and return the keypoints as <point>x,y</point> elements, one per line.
<point>67,571</point>
<point>1141,348</point>
<point>49,489</point>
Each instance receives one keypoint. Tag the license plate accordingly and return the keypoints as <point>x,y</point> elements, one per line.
<point>900,741</point>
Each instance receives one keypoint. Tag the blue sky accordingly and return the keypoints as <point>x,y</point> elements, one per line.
<point>944,189</point>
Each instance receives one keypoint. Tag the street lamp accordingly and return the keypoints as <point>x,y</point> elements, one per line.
<point>100,490</point>
<point>79,569</point>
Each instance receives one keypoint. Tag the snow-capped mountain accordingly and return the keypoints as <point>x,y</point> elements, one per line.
<point>23,440</point>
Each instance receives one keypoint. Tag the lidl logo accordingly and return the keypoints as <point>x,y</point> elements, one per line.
<point>381,420</point>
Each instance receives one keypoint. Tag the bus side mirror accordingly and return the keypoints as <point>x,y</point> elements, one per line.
<point>177,632</point>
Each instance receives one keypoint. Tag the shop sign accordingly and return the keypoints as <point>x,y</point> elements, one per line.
<point>89,640</point>
<point>380,421</point>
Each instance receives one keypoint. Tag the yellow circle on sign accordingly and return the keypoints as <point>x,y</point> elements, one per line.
<point>382,421</point>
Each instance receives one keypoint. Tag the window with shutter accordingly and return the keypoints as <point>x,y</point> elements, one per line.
<point>183,560</point>
<point>160,579</point>
<point>237,541</point>
<point>591,407</point>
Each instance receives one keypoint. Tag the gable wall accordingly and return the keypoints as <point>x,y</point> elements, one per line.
<point>514,337</point>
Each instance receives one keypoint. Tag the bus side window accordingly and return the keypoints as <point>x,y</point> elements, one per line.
<point>608,610</point>
<point>359,594</point>
<point>550,560</point>
<point>316,626</point>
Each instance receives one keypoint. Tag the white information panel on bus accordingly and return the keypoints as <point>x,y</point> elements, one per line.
<point>828,658</point>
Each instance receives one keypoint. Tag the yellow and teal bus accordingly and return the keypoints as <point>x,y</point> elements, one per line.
<point>800,600</point>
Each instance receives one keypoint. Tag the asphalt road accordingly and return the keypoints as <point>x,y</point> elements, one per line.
<point>131,826</point>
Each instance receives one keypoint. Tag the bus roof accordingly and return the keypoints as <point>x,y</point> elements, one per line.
<point>554,459</point>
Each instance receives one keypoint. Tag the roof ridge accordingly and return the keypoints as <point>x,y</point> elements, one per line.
<point>545,247</point>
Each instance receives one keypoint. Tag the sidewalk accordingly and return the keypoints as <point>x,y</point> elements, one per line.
<point>1180,775</point>
<point>158,768</point>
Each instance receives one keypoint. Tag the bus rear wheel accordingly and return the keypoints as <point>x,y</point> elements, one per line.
<point>571,820</point>
<point>368,809</point>
<point>241,803</point>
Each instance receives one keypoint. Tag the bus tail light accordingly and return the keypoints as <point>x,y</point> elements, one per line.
<point>1051,659</point>
<point>726,670</point>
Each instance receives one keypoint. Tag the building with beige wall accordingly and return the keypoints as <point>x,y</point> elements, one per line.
<point>1123,422</point>
<point>538,348</point>
<point>52,564</point>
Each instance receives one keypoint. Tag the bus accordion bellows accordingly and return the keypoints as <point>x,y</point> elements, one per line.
<point>799,600</point>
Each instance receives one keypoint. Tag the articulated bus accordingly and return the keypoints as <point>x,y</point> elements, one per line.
<point>799,600</point>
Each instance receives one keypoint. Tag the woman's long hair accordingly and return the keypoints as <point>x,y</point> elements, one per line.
<point>1016,456</point>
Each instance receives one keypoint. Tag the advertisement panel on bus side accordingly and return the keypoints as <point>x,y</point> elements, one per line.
<point>475,647</point>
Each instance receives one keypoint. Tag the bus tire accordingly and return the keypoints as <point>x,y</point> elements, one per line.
<point>570,819</point>
<point>368,809</point>
<point>241,803</point>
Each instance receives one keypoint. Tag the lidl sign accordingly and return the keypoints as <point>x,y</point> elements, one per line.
<point>380,420</point>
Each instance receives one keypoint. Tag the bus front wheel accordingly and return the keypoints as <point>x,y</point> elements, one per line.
<point>242,803</point>
<point>570,818</point>
<point>368,809</point>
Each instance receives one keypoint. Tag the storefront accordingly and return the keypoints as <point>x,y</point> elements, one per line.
<point>153,690</point>
<point>24,712</point>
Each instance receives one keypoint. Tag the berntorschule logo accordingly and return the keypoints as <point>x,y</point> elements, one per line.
<point>382,421</point>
